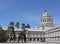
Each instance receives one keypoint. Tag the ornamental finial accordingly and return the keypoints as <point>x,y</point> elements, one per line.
<point>44,9</point>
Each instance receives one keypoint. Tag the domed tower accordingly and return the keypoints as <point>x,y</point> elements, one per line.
<point>46,19</point>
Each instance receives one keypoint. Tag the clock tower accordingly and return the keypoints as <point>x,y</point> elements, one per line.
<point>46,19</point>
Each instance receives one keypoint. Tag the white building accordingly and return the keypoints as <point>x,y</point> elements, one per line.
<point>47,32</point>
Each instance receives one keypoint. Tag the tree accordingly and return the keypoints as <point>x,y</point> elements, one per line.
<point>17,25</point>
<point>22,35</point>
<point>28,26</point>
<point>3,36</point>
<point>11,23</point>
<point>23,26</point>
<point>11,33</point>
<point>24,31</point>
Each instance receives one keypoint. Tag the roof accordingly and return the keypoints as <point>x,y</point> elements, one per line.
<point>55,28</point>
<point>29,29</point>
<point>39,29</point>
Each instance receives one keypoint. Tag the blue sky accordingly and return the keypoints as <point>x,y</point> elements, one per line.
<point>27,11</point>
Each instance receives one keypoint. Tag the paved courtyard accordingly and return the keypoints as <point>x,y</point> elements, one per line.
<point>29,43</point>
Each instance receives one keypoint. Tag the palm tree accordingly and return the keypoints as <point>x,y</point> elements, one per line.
<point>22,35</point>
<point>17,25</point>
<point>24,31</point>
<point>28,26</point>
<point>11,33</point>
<point>11,23</point>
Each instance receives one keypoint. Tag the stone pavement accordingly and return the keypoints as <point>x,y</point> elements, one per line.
<point>29,43</point>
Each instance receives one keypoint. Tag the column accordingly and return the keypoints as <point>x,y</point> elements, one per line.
<point>32,39</point>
